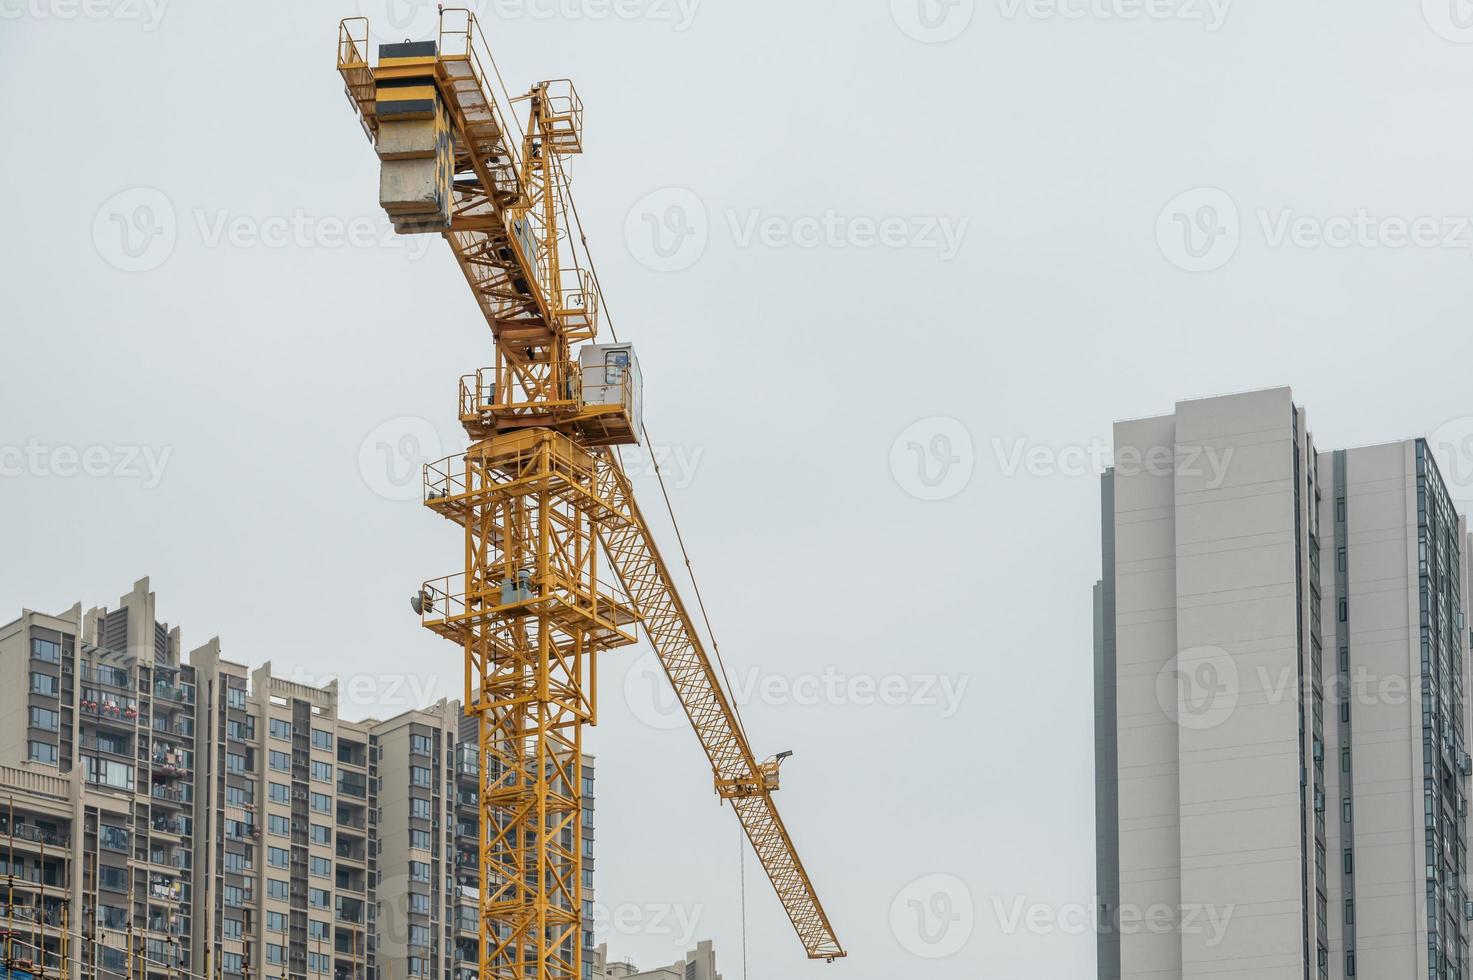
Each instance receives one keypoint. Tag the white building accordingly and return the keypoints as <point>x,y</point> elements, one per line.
<point>1281,667</point>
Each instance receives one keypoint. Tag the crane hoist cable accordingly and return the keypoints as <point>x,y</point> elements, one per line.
<point>664,491</point>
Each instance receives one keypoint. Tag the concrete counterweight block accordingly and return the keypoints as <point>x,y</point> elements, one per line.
<point>416,139</point>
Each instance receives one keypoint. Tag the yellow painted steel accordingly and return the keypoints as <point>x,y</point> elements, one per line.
<point>559,563</point>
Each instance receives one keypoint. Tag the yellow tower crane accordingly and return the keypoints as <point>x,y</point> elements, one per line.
<point>560,564</point>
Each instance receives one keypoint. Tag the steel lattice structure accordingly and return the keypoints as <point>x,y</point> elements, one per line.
<point>559,563</point>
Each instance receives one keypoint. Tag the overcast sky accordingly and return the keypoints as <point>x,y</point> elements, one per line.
<point>892,270</point>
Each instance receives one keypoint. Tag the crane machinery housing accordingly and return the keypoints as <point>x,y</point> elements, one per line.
<point>559,562</point>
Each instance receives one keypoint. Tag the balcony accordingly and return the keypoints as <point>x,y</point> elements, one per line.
<point>34,834</point>
<point>183,694</point>
<point>350,784</point>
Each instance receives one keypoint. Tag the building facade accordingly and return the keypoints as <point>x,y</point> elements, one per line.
<point>698,964</point>
<point>169,815</point>
<point>1281,666</point>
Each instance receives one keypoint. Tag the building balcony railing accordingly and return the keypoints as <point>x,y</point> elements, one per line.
<point>34,834</point>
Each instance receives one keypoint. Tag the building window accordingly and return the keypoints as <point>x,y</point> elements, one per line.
<point>419,839</point>
<point>419,745</point>
<point>419,904</point>
<point>321,834</point>
<point>45,651</point>
<point>275,954</point>
<point>280,793</point>
<point>232,928</point>
<point>419,808</point>
<point>278,857</point>
<point>278,825</point>
<point>276,922</point>
<point>279,761</point>
<point>317,962</point>
<point>419,871</point>
<point>237,864</point>
<point>113,838</point>
<point>1345,810</point>
<point>230,962</point>
<point>233,895</point>
<point>316,929</point>
<point>45,719</point>
<point>419,776</point>
<point>322,772</point>
<point>419,936</point>
<point>416,966</point>
<point>319,898</point>
<point>321,739</point>
<point>241,796</point>
<point>321,803</point>
<point>235,697</point>
<point>322,867</point>
<point>276,888</point>
<point>41,752</point>
<point>106,772</point>
<point>43,684</point>
<point>281,728</point>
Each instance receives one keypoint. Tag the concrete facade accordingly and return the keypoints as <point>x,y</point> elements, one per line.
<point>201,817</point>
<point>698,964</point>
<point>1277,781</point>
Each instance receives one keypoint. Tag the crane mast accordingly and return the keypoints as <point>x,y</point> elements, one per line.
<point>559,563</point>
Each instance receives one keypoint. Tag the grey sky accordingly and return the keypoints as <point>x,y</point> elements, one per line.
<point>898,227</point>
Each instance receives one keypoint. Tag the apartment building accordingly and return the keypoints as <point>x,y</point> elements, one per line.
<point>218,820</point>
<point>198,816</point>
<point>1281,667</point>
<point>101,701</point>
<point>430,771</point>
<point>698,964</point>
